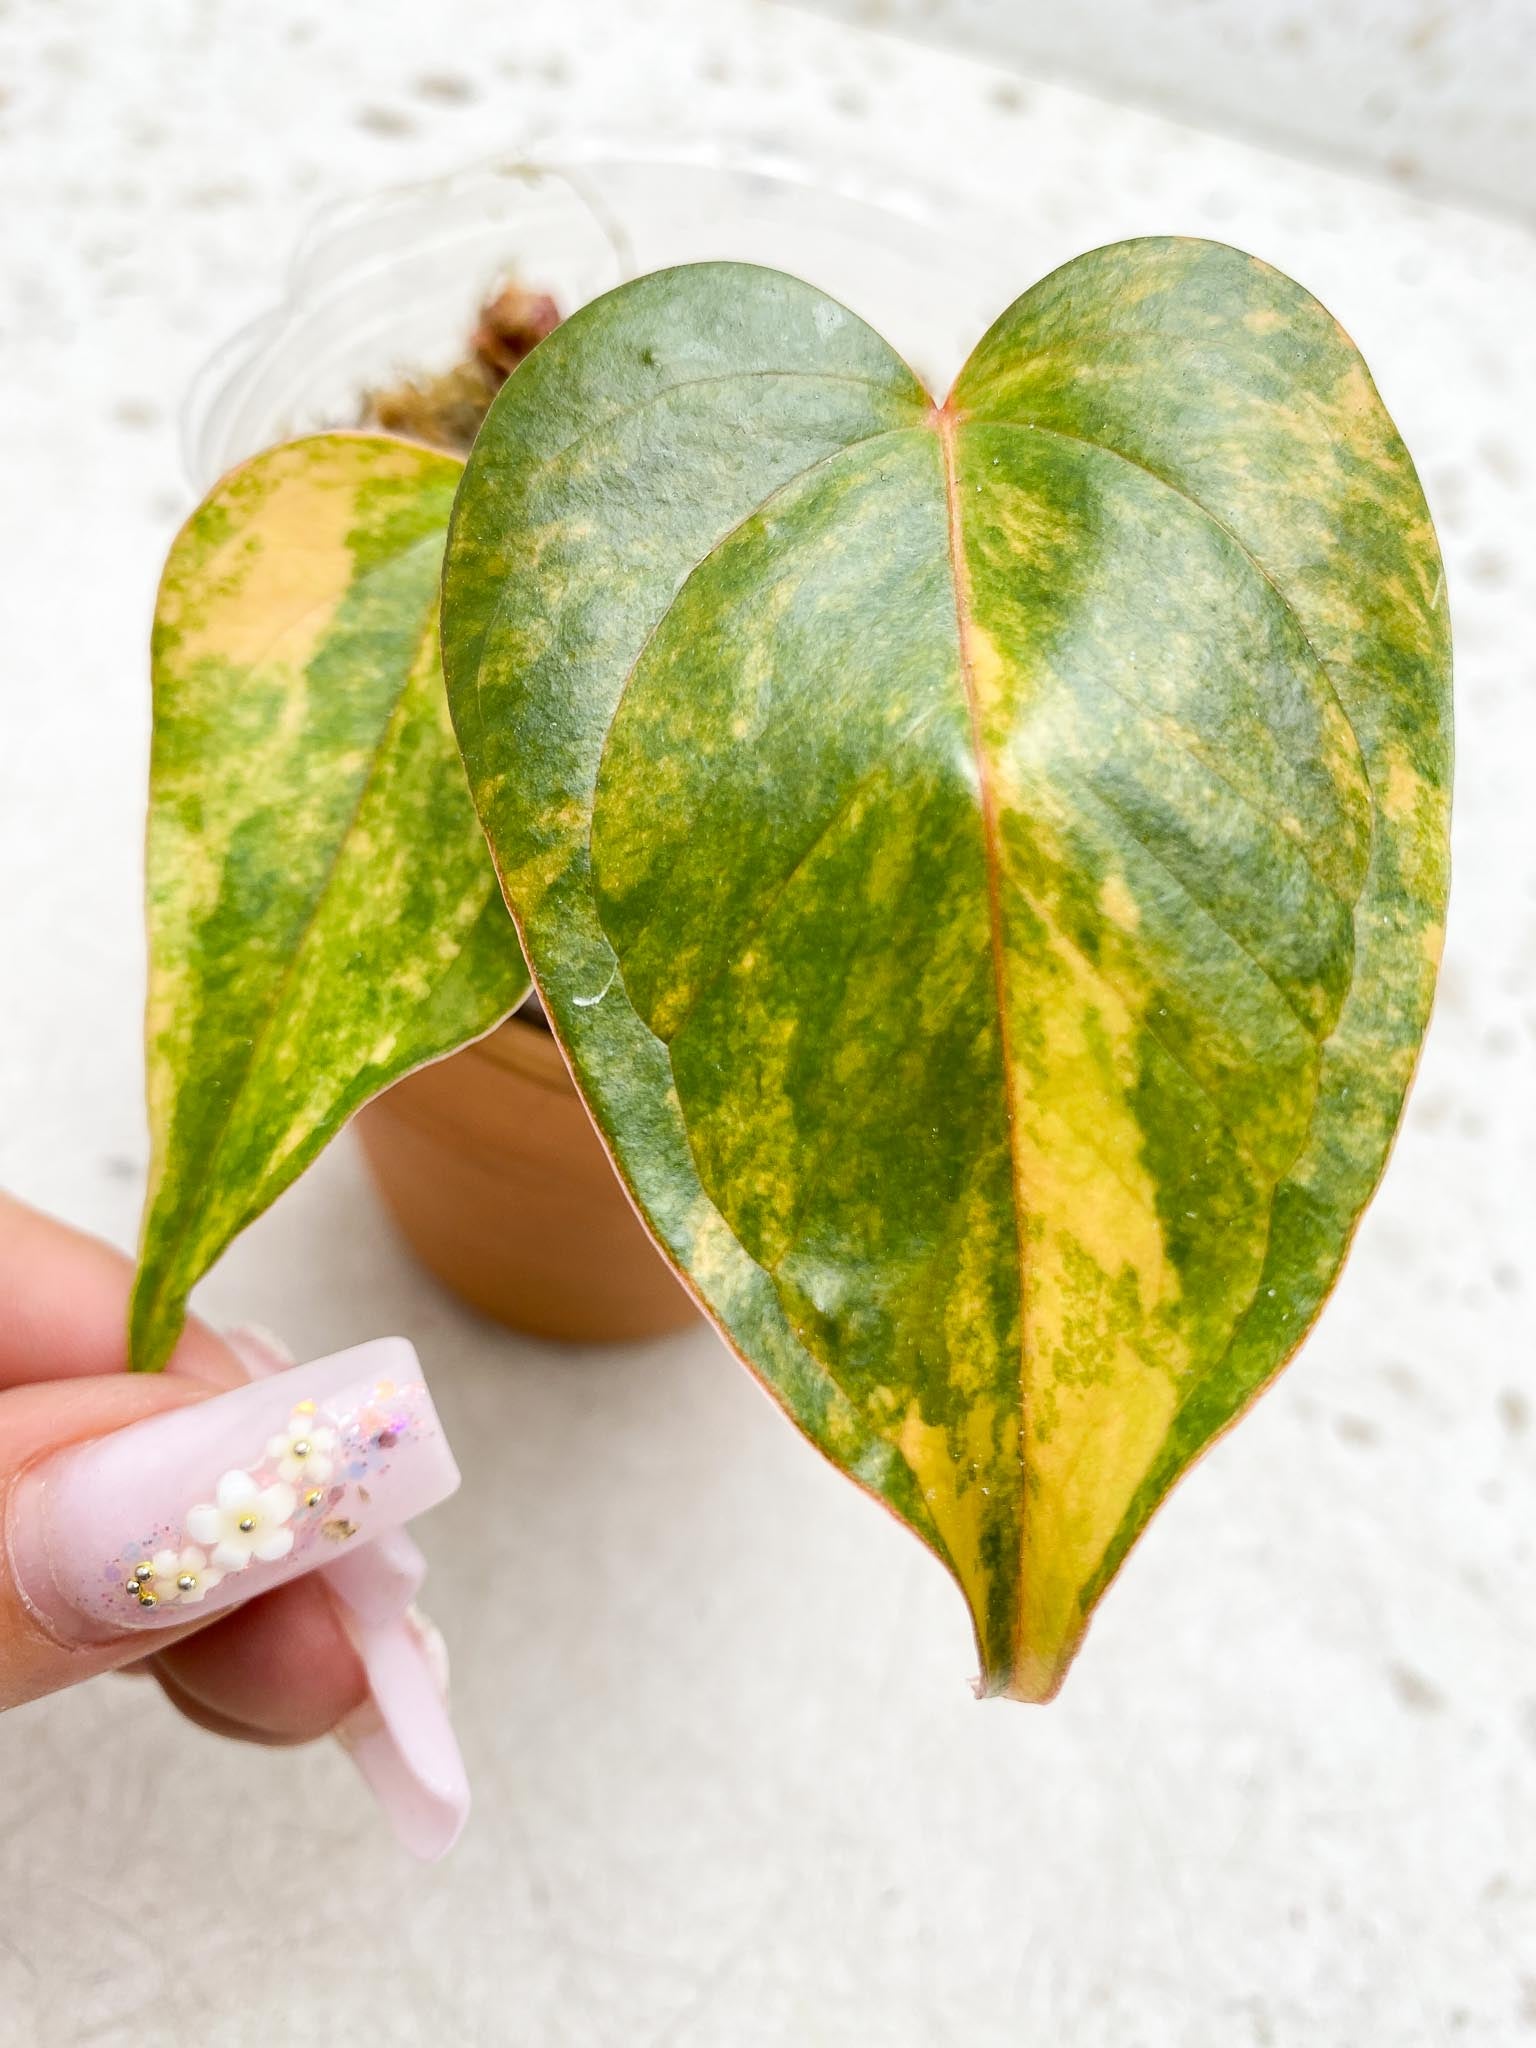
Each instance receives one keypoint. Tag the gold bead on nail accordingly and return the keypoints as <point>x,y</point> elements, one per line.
<point>148,1599</point>
<point>302,1448</point>
<point>187,1582</point>
<point>143,1571</point>
<point>246,1524</point>
<point>313,1498</point>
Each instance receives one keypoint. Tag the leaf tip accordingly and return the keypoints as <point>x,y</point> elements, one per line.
<point>1031,1667</point>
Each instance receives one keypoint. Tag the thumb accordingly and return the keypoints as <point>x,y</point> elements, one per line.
<point>136,1509</point>
<point>38,1423</point>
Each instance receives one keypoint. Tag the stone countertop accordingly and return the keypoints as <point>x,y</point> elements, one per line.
<point>732,1789</point>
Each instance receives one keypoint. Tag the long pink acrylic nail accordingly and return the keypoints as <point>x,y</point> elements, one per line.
<point>379,1577</point>
<point>400,1737</point>
<point>196,1510</point>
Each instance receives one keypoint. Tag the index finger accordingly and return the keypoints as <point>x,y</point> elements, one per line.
<point>63,1306</point>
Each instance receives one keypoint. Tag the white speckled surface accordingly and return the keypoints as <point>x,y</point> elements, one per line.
<point>1435,96</point>
<point>732,1789</point>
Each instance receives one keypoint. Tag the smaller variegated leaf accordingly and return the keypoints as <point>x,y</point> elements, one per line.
<point>323,916</point>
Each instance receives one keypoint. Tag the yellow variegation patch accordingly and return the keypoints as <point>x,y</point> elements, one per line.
<point>322,912</point>
<point>984,862</point>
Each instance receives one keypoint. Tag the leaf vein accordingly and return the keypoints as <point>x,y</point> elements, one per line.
<point>1133,462</point>
<point>765,910</point>
<point>1315,1035</point>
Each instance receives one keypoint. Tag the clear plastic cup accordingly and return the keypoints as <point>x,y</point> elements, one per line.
<point>388,286</point>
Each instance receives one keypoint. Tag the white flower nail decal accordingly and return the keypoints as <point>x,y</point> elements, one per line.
<point>309,1488</point>
<point>303,1451</point>
<point>244,1521</point>
<point>183,1575</point>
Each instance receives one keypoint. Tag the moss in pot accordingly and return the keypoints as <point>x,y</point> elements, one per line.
<point>447,409</point>
<point>983,863</point>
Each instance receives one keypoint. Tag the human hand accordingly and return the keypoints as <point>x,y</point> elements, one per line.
<point>275,1657</point>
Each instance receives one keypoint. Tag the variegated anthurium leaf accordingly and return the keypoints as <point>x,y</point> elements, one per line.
<point>985,863</point>
<point>323,915</point>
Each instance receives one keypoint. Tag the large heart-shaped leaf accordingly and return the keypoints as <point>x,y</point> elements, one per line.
<point>985,863</point>
<point>323,915</point>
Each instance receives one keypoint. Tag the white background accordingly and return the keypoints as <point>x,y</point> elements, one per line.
<point>1436,95</point>
<point>732,1789</point>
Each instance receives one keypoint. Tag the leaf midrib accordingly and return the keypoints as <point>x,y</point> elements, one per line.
<point>1215,519</point>
<point>982,419</point>
<point>529,482</point>
<point>1325,676</point>
<point>946,423</point>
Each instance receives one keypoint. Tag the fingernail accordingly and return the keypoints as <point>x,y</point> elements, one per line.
<point>378,1579</point>
<point>203,1507</point>
<point>401,1738</point>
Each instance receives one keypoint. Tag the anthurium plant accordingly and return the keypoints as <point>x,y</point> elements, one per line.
<point>984,862</point>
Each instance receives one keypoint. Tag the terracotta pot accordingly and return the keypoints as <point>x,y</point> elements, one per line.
<point>494,1174</point>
